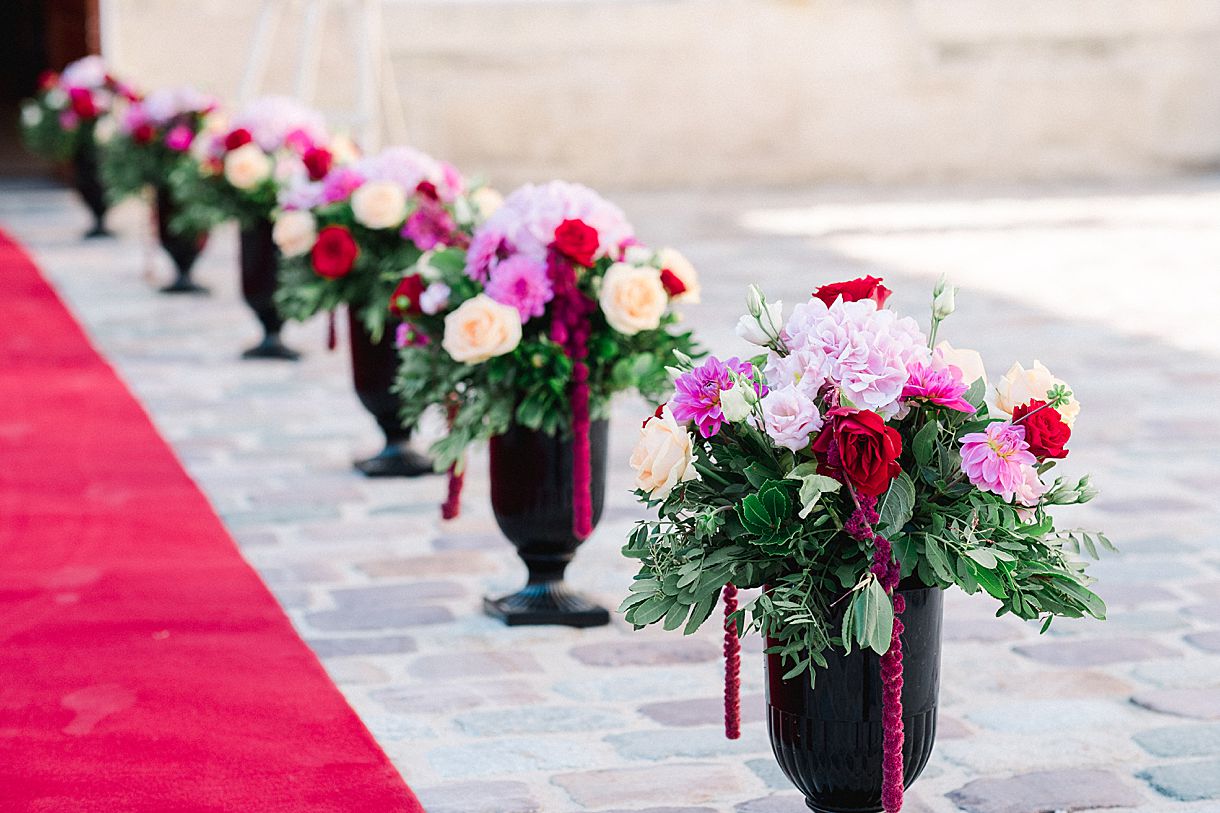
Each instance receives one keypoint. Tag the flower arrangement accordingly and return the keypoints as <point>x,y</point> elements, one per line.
<point>855,452</point>
<point>68,107</point>
<point>556,308</point>
<point>239,169</point>
<point>154,136</point>
<point>348,237</point>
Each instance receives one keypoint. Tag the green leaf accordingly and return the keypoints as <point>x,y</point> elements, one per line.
<point>924,443</point>
<point>897,505</point>
<point>983,556</point>
<point>882,629</point>
<point>813,486</point>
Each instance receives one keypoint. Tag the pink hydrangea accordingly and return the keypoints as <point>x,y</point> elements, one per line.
<point>862,349</point>
<point>941,387</point>
<point>340,183</point>
<point>527,220</point>
<point>408,167</point>
<point>523,283</point>
<point>996,458</point>
<point>278,121</point>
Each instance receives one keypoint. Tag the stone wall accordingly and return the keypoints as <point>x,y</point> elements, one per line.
<point>755,92</point>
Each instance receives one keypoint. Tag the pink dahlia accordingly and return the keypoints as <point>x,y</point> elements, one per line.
<point>523,283</point>
<point>340,183</point>
<point>996,458</point>
<point>941,387</point>
<point>863,350</point>
<point>697,396</point>
<point>429,226</point>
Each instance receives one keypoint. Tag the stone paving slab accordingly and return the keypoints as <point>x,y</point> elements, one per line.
<point>479,718</point>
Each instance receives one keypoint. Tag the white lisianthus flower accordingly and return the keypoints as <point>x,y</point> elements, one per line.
<point>637,255</point>
<point>105,130</point>
<point>676,263</point>
<point>663,456</point>
<point>1019,386</point>
<point>968,361</point>
<point>481,328</point>
<point>763,329</point>
<point>31,114</point>
<point>295,232</point>
<point>248,166</point>
<point>379,205</point>
<point>633,298</point>
<point>735,403</point>
<point>55,99</point>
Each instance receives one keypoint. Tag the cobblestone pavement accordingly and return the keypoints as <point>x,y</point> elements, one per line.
<point>1115,289</point>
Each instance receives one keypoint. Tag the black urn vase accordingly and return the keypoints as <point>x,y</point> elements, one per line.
<point>374,368</point>
<point>183,249</point>
<point>827,737</point>
<point>531,497</point>
<point>260,265</point>
<point>87,179</point>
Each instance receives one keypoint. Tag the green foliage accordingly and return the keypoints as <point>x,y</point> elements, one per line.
<point>762,517</point>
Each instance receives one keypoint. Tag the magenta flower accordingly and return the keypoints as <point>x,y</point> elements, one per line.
<point>340,183</point>
<point>429,226</point>
<point>941,387</point>
<point>697,396</point>
<point>523,283</point>
<point>179,138</point>
<point>995,459</point>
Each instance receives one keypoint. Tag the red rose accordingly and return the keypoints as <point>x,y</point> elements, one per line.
<point>427,189</point>
<point>47,80</point>
<point>317,162</point>
<point>334,253</point>
<point>82,103</point>
<point>405,299</point>
<point>673,285</point>
<point>854,290</point>
<point>859,449</point>
<point>238,138</point>
<point>143,133</point>
<point>1045,431</point>
<point>577,241</point>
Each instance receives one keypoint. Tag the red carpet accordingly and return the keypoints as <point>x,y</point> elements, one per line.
<point>143,665</point>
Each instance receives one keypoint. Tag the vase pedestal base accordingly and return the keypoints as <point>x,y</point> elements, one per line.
<point>547,603</point>
<point>395,460</point>
<point>98,231</point>
<point>272,347</point>
<point>183,285</point>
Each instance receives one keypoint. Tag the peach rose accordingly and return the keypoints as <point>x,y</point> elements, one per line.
<point>633,298</point>
<point>380,205</point>
<point>247,166</point>
<point>676,263</point>
<point>295,232</point>
<point>481,328</point>
<point>486,201</point>
<point>968,361</point>
<point>663,456</point>
<point>1020,386</point>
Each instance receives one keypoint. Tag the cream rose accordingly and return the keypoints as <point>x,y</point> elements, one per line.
<point>633,298</point>
<point>295,232</point>
<point>968,361</point>
<point>486,201</point>
<point>663,456</point>
<point>481,328</point>
<point>676,263</point>
<point>248,166</point>
<point>1020,386</point>
<point>380,205</point>
<point>343,150</point>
